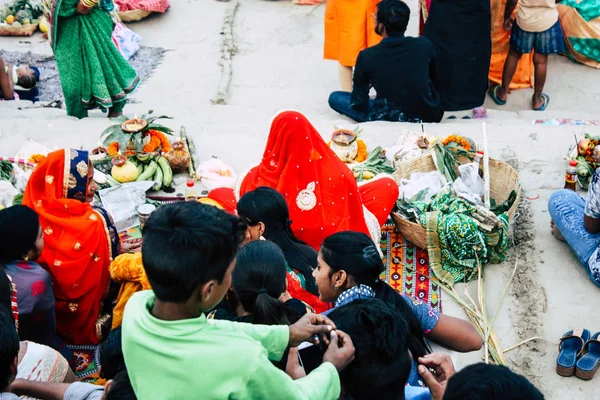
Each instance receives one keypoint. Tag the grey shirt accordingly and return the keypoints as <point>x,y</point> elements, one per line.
<point>8,396</point>
<point>83,391</point>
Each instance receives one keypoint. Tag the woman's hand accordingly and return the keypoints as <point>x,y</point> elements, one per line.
<point>82,9</point>
<point>131,246</point>
<point>293,367</point>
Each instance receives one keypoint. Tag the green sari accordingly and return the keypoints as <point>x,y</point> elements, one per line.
<point>93,72</point>
<point>580,22</point>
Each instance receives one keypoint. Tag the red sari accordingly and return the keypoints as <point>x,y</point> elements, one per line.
<point>320,190</point>
<point>77,244</point>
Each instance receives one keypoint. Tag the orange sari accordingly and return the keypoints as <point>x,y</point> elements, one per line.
<point>349,28</point>
<point>77,244</point>
<point>523,77</point>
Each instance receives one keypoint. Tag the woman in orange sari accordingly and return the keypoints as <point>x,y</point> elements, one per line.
<point>320,190</point>
<point>349,28</point>
<point>79,244</point>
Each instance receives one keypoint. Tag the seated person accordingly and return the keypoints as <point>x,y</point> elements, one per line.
<point>382,359</point>
<point>12,75</point>
<point>9,353</point>
<point>257,285</point>
<point>267,215</point>
<point>172,351</point>
<point>112,361</point>
<point>577,221</point>
<point>475,382</point>
<point>349,268</point>
<point>118,388</point>
<point>22,241</point>
<point>400,69</point>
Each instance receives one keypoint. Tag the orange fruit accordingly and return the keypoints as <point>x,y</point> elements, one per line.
<point>10,19</point>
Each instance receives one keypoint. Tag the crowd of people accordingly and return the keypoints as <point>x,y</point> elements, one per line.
<point>230,298</point>
<point>467,48</point>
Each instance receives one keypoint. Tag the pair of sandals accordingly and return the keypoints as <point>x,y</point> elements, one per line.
<point>493,92</point>
<point>579,354</point>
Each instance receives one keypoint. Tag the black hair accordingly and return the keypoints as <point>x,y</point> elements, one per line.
<point>394,16</point>
<point>121,388</point>
<point>19,228</point>
<point>27,81</point>
<point>187,244</point>
<point>268,206</point>
<point>9,345</point>
<point>258,280</point>
<point>111,355</point>
<point>490,382</point>
<point>382,363</point>
<point>356,254</point>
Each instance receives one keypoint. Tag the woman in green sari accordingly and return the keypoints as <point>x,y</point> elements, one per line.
<point>93,72</point>
<point>580,22</point>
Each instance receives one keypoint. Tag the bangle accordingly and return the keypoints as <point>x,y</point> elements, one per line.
<point>88,3</point>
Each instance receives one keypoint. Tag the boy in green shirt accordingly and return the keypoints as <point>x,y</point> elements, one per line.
<point>173,352</point>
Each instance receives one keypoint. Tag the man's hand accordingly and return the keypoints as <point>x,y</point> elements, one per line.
<point>443,367</point>
<point>340,351</point>
<point>308,326</point>
<point>81,9</point>
<point>508,23</point>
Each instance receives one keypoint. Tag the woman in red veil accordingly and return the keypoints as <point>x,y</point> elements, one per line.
<point>320,190</point>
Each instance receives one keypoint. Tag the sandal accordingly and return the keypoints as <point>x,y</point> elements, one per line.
<point>545,102</point>
<point>569,350</point>
<point>589,362</point>
<point>494,95</point>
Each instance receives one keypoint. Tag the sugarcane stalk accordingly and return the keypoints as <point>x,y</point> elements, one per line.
<point>486,168</point>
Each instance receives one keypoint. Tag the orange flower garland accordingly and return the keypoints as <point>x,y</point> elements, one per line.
<point>157,140</point>
<point>459,140</point>
<point>362,153</point>
<point>36,158</point>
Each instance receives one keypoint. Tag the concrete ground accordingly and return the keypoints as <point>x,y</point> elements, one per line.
<point>276,63</point>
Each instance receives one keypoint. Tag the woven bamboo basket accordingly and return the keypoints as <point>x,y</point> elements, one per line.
<point>503,180</point>
<point>133,15</point>
<point>23,30</point>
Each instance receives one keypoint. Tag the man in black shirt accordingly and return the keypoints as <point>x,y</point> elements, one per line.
<point>401,69</point>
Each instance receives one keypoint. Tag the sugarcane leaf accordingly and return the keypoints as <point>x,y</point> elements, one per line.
<point>137,141</point>
<point>161,128</point>
<point>114,136</point>
<point>150,120</point>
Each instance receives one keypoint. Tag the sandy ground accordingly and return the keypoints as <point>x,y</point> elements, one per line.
<point>256,57</point>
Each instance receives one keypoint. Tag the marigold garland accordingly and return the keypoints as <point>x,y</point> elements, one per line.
<point>36,158</point>
<point>459,140</point>
<point>157,140</point>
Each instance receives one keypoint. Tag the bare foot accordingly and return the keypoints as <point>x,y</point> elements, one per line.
<point>114,114</point>
<point>556,232</point>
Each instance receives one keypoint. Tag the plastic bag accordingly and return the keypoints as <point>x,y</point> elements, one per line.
<point>7,194</point>
<point>127,41</point>
<point>20,177</point>
<point>469,184</point>
<point>432,181</point>
<point>214,174</point>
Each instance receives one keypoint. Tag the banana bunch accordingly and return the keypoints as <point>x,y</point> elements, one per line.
<point>151,168</point>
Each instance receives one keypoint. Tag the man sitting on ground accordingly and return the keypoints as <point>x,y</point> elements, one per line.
<point>172,351</point>
<point>401,69</point>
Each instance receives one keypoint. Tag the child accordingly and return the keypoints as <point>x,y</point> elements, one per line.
<point>537,28</point>
<point>171,349</point>
<point>11,75</point>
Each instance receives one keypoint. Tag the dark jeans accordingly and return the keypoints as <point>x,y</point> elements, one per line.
<point>340,102</point>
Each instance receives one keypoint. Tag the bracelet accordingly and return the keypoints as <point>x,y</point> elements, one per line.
<point>88,3</point>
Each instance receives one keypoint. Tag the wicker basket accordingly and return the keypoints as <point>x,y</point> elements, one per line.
<point>503,180</point>
<point>133,15</point>
<point>23,30</point>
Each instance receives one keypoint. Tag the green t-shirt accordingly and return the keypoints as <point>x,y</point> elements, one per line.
<point>207,359</point>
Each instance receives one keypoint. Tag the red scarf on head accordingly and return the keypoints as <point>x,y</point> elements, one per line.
<point>318,187</point>
<point>77,246</point>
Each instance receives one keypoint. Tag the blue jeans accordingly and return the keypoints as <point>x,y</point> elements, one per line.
<point>566,208</point>
<point>340,102</point>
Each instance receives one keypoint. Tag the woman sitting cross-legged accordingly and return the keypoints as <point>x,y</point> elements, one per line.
<point>266,213</point>
<point>349,268</point>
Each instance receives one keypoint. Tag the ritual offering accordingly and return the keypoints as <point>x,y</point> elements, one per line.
<point>123,170</point>
<point>20,18</point>
<point>347,146</point>
<point>178,157</point>
<point>587,155</point>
